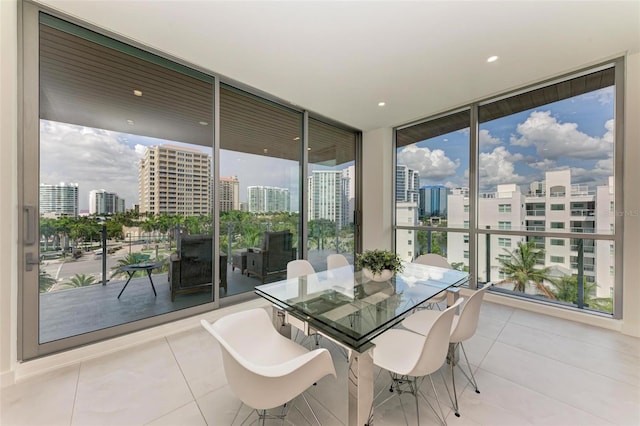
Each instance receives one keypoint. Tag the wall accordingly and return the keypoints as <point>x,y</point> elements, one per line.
<point>631,258</point>
<point>8,188</point>
<point>377,194</point>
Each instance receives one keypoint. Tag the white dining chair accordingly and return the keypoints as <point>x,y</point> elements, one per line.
<point>299,268</point>
<point>264,369</point>
<point>463,328</point>
<point>411,357</point>
<point>336,260</point>
<point>433,259</point>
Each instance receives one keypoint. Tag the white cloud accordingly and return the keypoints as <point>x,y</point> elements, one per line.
<point>544,164</point>
<point>486,139</point>
<point>553,139</point>
<point>497,167</point>
<point>432,164</point>
<point>93,158</point>
<point>601,168</point>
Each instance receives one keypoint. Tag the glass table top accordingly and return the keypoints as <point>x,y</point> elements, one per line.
<point>348,307</point>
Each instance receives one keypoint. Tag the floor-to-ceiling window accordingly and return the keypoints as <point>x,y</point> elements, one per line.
<point>124,196</point>
<point>259,188</point>
<point>432,165</point>
<point>151,189</point>
<point>540,204</point>
<point>331,185</point>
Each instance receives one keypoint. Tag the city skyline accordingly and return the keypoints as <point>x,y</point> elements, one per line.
<point>110,160</point>
<point>575,134</point>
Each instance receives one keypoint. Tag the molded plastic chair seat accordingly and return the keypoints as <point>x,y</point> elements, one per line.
<point>410,357</point>
<point>463,327</point>
<point>336,260</point>
<point>433,259</point>
<point>263,368</point>
<point>299,268</point>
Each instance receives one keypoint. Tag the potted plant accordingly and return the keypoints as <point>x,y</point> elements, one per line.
<point>378,265</point>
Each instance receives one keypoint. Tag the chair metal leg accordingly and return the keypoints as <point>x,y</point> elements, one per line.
<point>404,384</point>
<point>470,377</point>
<point>472,380</point>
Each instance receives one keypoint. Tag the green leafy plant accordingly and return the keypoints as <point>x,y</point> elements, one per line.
<point>376,260</point>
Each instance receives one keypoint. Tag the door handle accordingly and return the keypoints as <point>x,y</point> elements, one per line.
<point>30,225</point>
<point>29,261</point>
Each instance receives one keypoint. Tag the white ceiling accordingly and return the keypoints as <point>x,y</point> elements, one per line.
<point>341,58</point>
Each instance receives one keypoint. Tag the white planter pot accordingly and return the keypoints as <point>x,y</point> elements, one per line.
<point>384,275</point>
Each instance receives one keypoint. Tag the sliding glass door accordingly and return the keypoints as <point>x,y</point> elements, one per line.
<point>151,190</point>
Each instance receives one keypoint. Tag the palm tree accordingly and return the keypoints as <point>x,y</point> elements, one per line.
<point>521,268</point>
<point>46,281</point>
<point>129,259</point>
<point>566,288</point>
<point>82,280</point>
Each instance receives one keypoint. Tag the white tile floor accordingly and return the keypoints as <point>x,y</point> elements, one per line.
<point>531,369</point>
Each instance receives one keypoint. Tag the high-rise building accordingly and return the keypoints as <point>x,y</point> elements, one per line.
<point>59,200</point>
<point>433,200</point>
<point>264,199</point>
<point>407,184</point>
<point>229,194</point>
<point>350,174</point>
<point>103,202</point>
<point>328,196</point>
<point>406,215</point>
<point>175,180</point>
<point>554,205</point>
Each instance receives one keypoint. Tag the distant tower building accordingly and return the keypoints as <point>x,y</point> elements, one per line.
<point>59,200</point>
<point>263,199</point>
<point>103,202</point>
<point>229,195</point>
<point>406,215</point>
<point>328,196</point>
<point>350,175</point>
<point>175,180</point>
<point>433,201</point>
<point>407,184</point>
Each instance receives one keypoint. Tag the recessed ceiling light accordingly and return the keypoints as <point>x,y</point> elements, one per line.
<point>130,122</point>
<point>381,104</point>
<point>137,92</point>
<point>308,149</point>
<point>492,58</point>
<point>203,123</point>
<point>297,138</point>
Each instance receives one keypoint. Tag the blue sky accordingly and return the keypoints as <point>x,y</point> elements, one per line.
<point>575,133</point>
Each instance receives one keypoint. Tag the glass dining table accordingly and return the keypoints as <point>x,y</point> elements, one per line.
<point>352,310</point>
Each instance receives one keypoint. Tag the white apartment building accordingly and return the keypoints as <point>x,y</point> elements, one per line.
<point>59,200</point>
<point>264,199</point>
<point>554,205</point>
<point>406,214</point>
<point>175,180</point>
<point>103,202</point>
<point>407,184</point>
<point>329,197</point>
<point>229,196</point>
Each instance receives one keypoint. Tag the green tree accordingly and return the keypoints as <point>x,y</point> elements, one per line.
<point>46,281</point>
<point>566,288</point>
<point>47,230</point>
<point>79,280</point>
<point>521,268</point>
